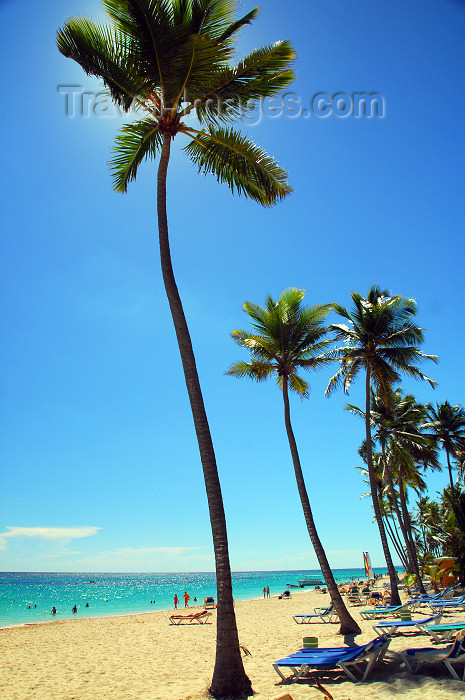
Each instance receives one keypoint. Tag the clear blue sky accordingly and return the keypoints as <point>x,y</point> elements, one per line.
<point>100,468</point>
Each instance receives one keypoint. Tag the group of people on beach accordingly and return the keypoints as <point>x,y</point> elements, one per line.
<point>266,592</point>
<point>186,597</point>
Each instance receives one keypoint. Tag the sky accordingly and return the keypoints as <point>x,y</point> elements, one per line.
<point>100,466</point>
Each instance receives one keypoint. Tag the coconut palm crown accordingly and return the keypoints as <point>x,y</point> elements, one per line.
<point>168,59</point>
<point>380,337</point>
<point>447,426</point>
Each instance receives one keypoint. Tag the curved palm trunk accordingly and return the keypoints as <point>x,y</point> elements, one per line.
<point>229,677</point>
<point>410,566</point>
<point>396,542</point>
<point>451,480</point>
<point>348,624</point>
<point>405,523</point>
<point>395,598</point>
<point>408,532</point>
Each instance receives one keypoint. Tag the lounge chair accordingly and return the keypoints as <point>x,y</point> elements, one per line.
<point>354,599</point>
<point>200,618</point>
<point>302,661</point>
<point>387,611</point>
<point>328,614</point>
<point>454,653</point>
<point>426,598</point>
<point>390,627</point>
<point>449,604</point>
<point>444,632</point>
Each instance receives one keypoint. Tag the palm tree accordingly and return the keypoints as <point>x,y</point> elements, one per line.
<point>289,337</point>
<point>381,338</point>
<point>447,426</point>
<point>397,429</point>
<point>166,60</point>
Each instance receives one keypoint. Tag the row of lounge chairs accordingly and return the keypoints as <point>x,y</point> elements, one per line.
<point>304,661</point>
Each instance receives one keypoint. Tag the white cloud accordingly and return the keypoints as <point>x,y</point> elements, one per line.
<point>47,533</point>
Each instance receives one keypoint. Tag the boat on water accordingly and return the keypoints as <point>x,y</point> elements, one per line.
<point>311,580</point>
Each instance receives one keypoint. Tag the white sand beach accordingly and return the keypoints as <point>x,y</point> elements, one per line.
<point>145,658</point>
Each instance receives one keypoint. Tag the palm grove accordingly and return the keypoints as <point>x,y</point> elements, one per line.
<point>169,61</point>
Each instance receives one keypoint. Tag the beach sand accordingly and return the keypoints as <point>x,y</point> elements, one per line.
<point>143,657</point>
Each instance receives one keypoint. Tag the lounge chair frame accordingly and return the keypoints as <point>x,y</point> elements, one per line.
<point>455,653</point>
<point>328,614</point>
<point>444,632</point>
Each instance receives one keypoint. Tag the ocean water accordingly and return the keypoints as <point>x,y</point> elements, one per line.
<point>29,597</point>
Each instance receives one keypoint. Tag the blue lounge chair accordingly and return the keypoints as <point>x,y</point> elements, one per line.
<point>454,653</point>
<point>328,614</point>
<point>427,598</point>
<point>390,627</point>
<point>304,660</point>
<point>387,611</point>
<point>449,604</point>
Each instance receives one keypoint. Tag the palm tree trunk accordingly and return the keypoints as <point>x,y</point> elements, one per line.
<point>395,598</point>
<point>410,567</point>
<point>408,532</point>
<point>348,624</point>
<point>396,543</point>
<point>229,677</point>
<point>451,480</point>
<point>405,524</point>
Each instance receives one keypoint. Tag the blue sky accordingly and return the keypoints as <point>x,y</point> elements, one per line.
<point>100,468</point>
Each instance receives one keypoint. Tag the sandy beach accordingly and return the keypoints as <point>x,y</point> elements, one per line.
<point>144,657</point>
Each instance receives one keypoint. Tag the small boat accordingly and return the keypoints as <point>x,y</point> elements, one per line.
<point>311,580</point>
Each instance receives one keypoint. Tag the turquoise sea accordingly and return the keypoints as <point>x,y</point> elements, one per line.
<point>29,597</point>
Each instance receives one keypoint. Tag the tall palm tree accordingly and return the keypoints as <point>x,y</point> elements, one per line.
<point>169,61</point>
<point>404,449</point>
<point>288,337</point>
<point>381,338</point>
<point>447,426</point>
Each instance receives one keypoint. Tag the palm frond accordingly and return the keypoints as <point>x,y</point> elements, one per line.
<point>259,371</point>
<point>236,160</point>
<point>105,53</point>
<point>238,24</point>
<point>298,385</point>
<point>264,73</point>
<point>133,144</point>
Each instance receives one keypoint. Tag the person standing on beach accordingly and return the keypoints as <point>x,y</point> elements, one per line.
<point>186,597</point>
<point>267,591</point>
<point>264,591</point>
<point>176,601</point>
